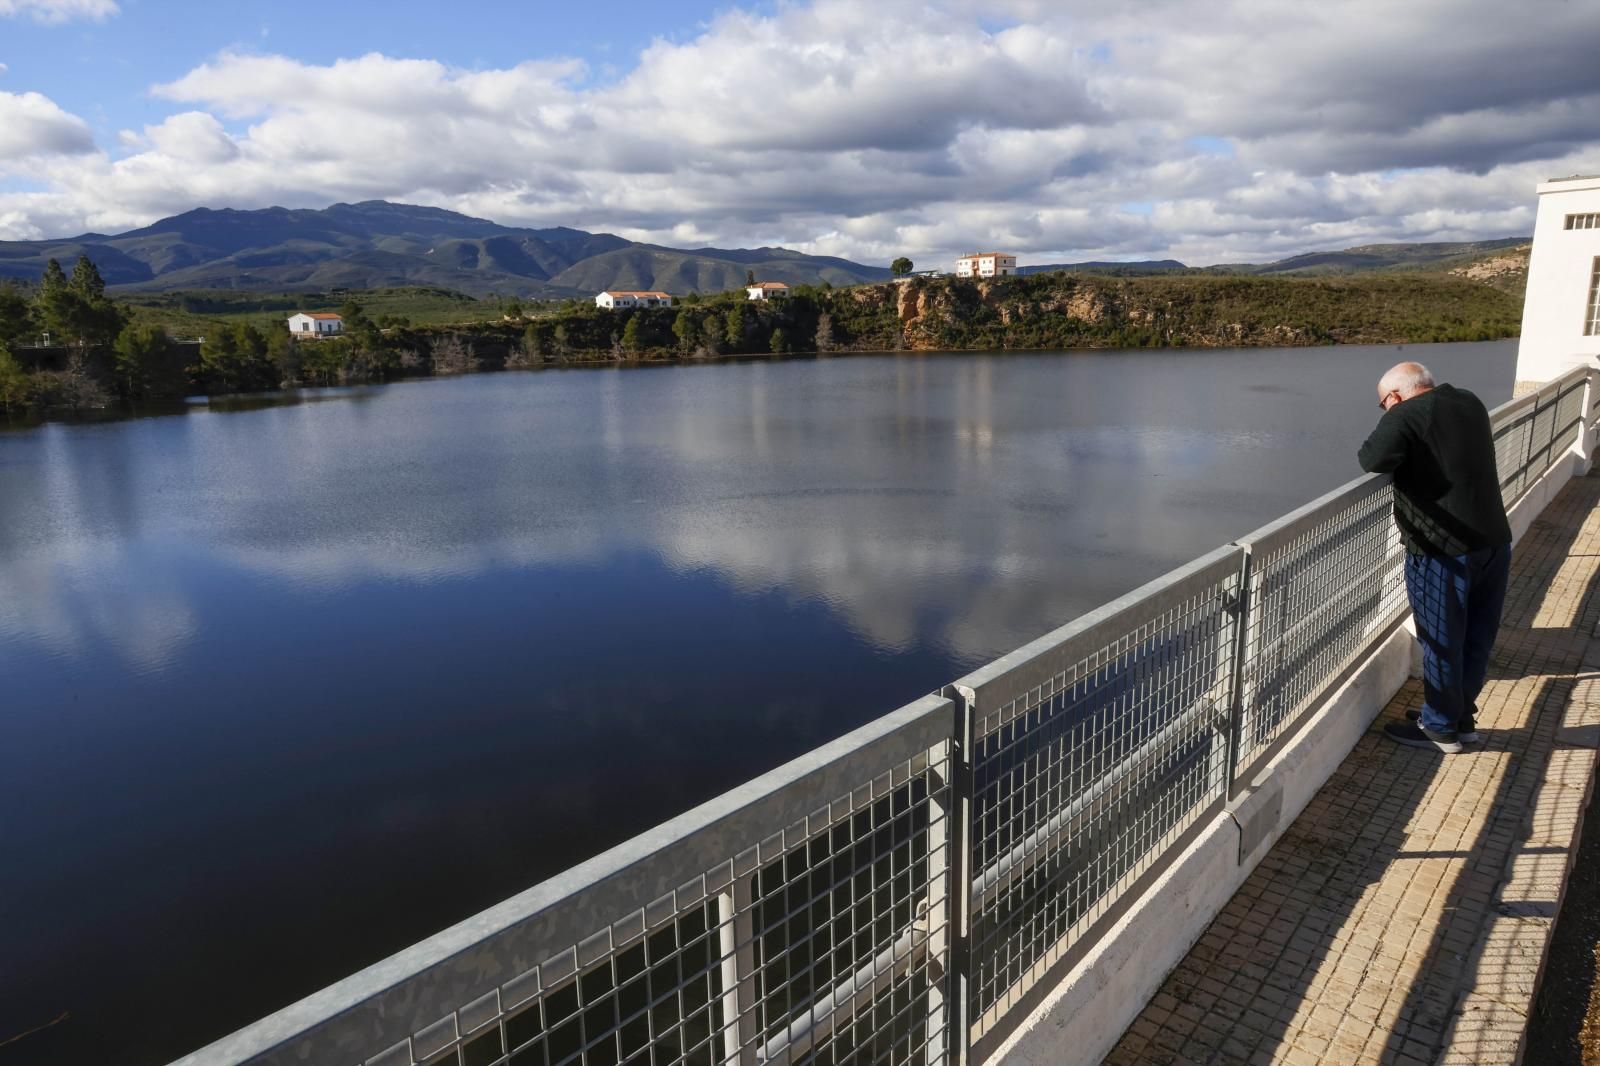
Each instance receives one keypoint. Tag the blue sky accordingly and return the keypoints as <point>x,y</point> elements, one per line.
<point>1213,131</point>
<point>102,69</point>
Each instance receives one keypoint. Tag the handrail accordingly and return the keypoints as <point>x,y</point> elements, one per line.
<point>1280,531</point>
<point>1015,673</point>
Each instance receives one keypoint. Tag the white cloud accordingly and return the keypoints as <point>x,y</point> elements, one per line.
<point>1063,129</point>
<point>53,11</point>
<point>192,136</point>
<point>32,126</point>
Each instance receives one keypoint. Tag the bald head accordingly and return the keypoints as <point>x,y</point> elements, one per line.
<point>1403,380</point>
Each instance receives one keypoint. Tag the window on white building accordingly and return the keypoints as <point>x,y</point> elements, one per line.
<point>1589,221</point>
<point>1591,318</point>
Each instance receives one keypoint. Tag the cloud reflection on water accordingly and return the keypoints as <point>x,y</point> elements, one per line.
<point>970,502</point>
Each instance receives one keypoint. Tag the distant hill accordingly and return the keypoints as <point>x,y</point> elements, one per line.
<point>377,244</point>
<point>1098,266</point>
<point>1424,257</point>
<point>1448,256</point>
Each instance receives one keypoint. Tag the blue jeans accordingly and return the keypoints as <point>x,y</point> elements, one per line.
<point>1456,601</point>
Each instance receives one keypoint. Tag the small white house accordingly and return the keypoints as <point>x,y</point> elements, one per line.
<point>985,265</point>
<point>613,298</point>
<point>315,324</point>
<point>767,290</point>
<point>1561,312</point>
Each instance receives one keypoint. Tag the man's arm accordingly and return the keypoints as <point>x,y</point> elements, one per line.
<point>1385,449</point>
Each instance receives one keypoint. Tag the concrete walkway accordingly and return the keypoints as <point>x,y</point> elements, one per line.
<point>1403,917</point>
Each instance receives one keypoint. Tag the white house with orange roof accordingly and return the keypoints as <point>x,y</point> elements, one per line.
<point>985,265</point>
<point>613,298</point>
<point>767,290</point>
<point>315,324</point>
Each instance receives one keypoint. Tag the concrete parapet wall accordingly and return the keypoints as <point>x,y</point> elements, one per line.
<point>1081,1020</point>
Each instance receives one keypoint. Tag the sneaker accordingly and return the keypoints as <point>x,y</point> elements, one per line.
<point>1417,737</point>
<point>1467,733</point>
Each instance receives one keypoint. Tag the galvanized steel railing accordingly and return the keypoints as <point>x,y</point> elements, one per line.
<point>1095,748</point>
<point>906,893</point>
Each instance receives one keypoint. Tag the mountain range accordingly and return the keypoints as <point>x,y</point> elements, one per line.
<point>1426,257</point>
<point>377,244</point>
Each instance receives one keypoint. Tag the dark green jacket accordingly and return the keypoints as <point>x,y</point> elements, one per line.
<point>1440,447</point>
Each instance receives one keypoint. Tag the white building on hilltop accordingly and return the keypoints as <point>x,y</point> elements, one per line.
<point>767,290</point>
<point>1561,312</point>
<point>316,324</point>
<point>985,265</point>
<point>613,298</point>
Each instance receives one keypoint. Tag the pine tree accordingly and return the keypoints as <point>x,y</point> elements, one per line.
<point>735,327</point>
<point>630,336</point>
<point>16,317</point>
<point>54,279</point>
<point>285,356</point>
<point>359,328</point>
<point>254,367</point>
<point>86,281</point>
<point>53,303</point>
<point>16,389</point>
<point>686,329</point>
<point>77,310</point>
<point>219,359</point>
<point>136,354</point>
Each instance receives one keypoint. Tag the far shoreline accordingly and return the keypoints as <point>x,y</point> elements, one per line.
<point>289,396</point>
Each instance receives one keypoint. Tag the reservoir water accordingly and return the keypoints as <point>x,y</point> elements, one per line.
<point>289,686</point>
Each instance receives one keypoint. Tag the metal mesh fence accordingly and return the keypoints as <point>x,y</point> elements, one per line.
<point>1534,431</point>
<point>1088,763</point>
<point>1321,585</point>
<point>819,952</point>
<point>1513,434</point>
<point>1568,420</point>
<point>1544,421</point>
<point>810,922</point>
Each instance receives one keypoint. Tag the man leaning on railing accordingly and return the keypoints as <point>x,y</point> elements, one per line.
<point>1438,443</point>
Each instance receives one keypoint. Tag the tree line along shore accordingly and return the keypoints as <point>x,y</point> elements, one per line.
<point>106,350</point>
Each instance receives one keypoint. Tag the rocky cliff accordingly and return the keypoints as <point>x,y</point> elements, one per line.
<point>1067,310</point>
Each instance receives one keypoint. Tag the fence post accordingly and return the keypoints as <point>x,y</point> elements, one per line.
<point>736,941</point>
<point>1239,609</point>
<point>958,980</point>
<point>941,816</point>
<point>1527,457</point>
<point>1585,436</point>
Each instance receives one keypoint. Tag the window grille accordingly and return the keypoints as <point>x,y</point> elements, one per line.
<point>1588,221</point>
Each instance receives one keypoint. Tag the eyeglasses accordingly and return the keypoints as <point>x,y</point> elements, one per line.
<point>1383,404</point>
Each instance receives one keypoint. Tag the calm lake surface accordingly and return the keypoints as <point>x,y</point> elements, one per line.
<point>285,689</point>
